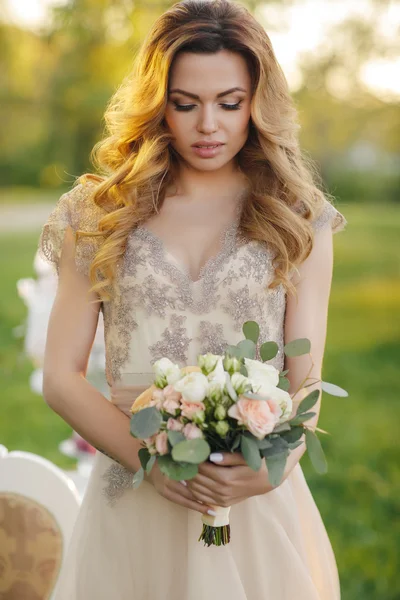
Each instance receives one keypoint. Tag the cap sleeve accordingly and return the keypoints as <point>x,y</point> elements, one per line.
<point>76,209</point>
<point>329,215</point>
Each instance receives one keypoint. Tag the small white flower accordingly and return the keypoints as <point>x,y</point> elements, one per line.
<point>240,383</point>
<point>207,362</point>
<point>166,371</point>
<point>192,386</point>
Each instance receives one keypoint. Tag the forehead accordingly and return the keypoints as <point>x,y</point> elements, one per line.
<point>209,74</point>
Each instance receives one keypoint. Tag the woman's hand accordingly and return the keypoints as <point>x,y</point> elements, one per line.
<point>175,491</point>
<point>229,482</point>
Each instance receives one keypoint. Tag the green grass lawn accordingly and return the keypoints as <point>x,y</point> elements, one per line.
<point>359,497</point>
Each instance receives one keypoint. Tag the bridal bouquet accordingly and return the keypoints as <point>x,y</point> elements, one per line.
<point>228,403</point>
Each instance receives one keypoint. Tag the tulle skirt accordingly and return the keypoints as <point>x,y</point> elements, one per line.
<point>133,544</point>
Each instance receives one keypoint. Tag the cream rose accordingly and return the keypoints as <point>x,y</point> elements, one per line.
<point>166,371</point>
<point>261,373</point>
<point>192,386</point>
<point>259,416</point>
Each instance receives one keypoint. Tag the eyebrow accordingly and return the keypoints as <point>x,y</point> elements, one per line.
<point>195,97</point>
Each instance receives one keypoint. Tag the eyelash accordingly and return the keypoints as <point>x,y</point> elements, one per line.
<point>189,107</point>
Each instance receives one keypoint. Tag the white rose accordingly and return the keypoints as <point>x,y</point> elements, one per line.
<point>166,370</point>
<point>260,372</point>
<point>208,362</point>
<point>192,386</point>
<point>217,380</point>
<point>240,383</point>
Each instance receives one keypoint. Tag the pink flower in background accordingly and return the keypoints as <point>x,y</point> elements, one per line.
<point>162,442</point>
<point>157,399</point>
<point>174,425</point>
<point>191,431</point>
<point>259,416</point>
<point>150,444</point>
<point>189,409</point>
<point>171,406</point>
<point>171,394</point>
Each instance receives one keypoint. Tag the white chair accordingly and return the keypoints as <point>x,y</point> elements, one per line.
<point>38,508</point>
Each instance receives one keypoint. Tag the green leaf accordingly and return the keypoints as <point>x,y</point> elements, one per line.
<point>251,331</point>
<point>236,443</point>
<point>263,444</point>
<point>146,422</point>
<point>175,470</point>
<point>233,351</point>
<point>283,384</point>
<point>243,371</point>
<point>247,349</point>
<point>316,452</point>
<point>295,445</point>
<point>308,402</point>
<point>283,373</point>
<point>282,427</point>
<point>144,456</point>
<point>138,478</point>
<point>302,418</point>
<point>150,464</point>
<point>293,435</point>
<point>250,451</point>
<point>191,451</point>
<point>268,350</point>
<point>174,437</point>
<point>297,347</point>
<point>276,468</point>
<point>333,390</point>
<point>279,445</point>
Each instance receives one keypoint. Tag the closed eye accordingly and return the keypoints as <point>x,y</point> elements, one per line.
<point>188,107</point>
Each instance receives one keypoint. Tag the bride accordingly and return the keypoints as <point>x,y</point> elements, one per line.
<point>203,215</point>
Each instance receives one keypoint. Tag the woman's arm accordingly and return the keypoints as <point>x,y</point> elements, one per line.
<point>306,317</point>
<point>71,330</point>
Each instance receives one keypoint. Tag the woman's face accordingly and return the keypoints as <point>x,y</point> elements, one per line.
<point>209,103</point>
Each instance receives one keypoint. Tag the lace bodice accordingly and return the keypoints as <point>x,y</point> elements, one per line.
<point>158,310</point>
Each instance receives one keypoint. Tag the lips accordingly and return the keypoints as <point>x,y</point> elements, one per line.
<point>209,145</point>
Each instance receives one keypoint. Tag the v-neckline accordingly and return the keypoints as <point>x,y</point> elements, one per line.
<point>227,239</point>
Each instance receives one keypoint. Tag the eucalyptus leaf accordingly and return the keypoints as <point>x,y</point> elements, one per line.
<point>247,349</point>
<point>236,443</point>
<point>283,384</point>
<point>138,478</point>
<point>263,444</point>
<point>192,451</point>
<point>250,452</point>
<point>333,390</point>
<point>233,351</point>
<point>278,445</point>
<point>146,422</point>
<point>175,470</point>
<point>276,468</point>
<point>316,452</point>
<point>243,371</point>
<point>293,435</point>
<point>298,419</point>
<point>283,373</point>
<point>174,437</point>
<point>282,427</point>
<point>144,456</point>
<point>295,445</point>
<point>308,402</point>
<point>150,464</point>
<point>297,347</point>
<point>268,350</point>
<point>251,331</point>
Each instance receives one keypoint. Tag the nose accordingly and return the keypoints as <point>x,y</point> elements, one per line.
<point>207,120</point>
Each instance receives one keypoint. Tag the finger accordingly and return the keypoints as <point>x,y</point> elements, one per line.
<point>177,488</point>
<point>187,503</point>
<point>228,458</point>
<point>203,495</point>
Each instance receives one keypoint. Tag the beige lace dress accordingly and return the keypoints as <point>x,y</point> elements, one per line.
<point>133,544</point>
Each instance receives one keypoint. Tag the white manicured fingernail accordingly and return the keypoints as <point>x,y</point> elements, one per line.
<point>212,513</point>
<point>184,483</point>
<point>216,457</point>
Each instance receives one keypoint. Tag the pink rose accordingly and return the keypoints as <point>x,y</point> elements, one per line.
<point>191,431</point>
<point>157,398</point>
<point>150,444</point>
<point>171,406</point>
<point>259,416</point>
<point>162,443</point>
<point>174,425</point>
<point>170,393</point>
<point>189,409</point>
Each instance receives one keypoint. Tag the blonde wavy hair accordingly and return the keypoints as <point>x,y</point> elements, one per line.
<point>137,162</point>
